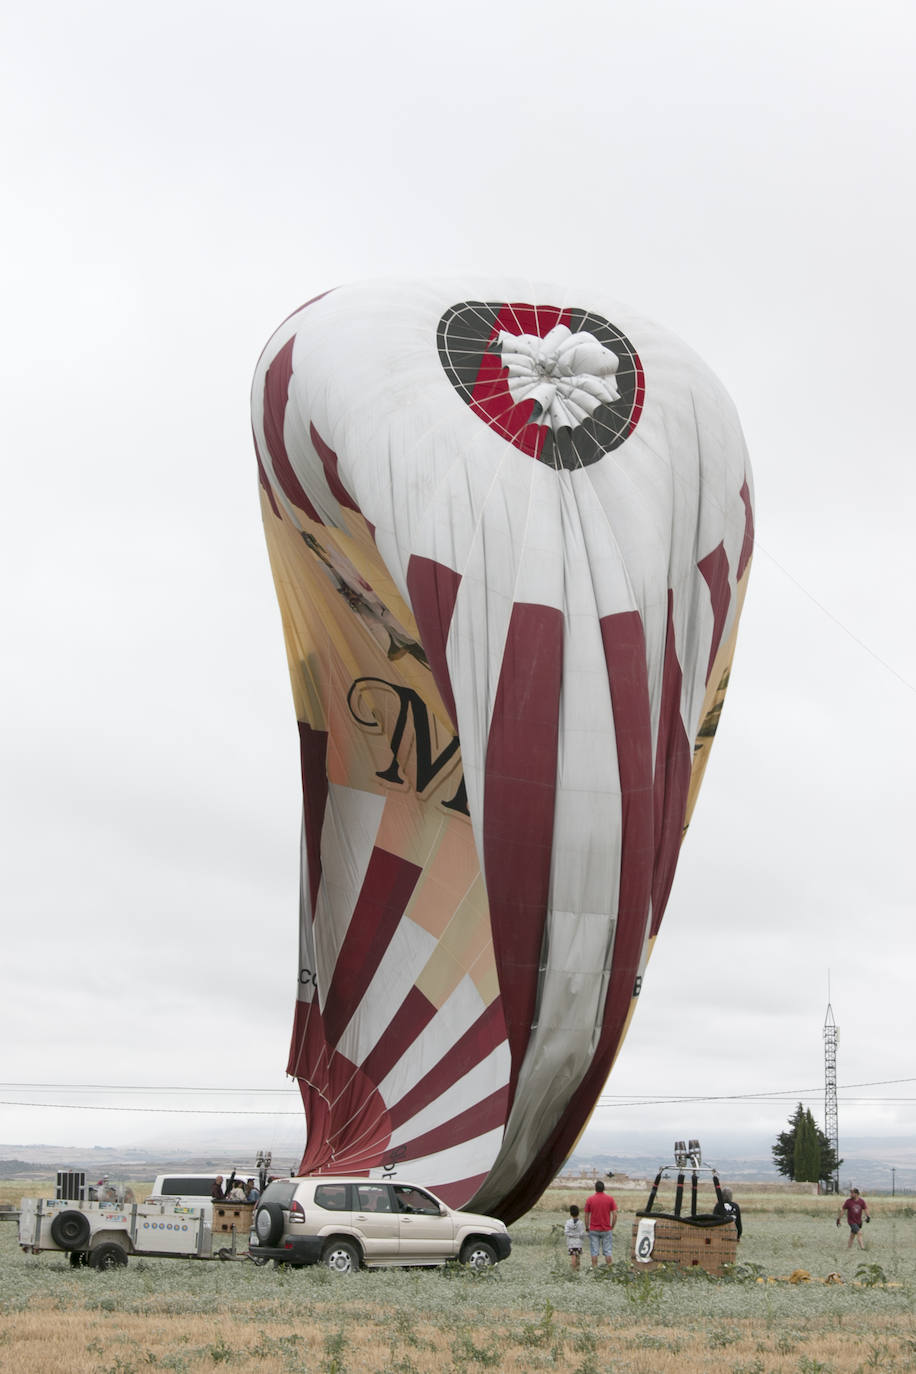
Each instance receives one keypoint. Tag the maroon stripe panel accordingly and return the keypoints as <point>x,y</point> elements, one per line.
<point>262,478</point>
<point>471,1049</point>
<point>488,1115</point>
<point>356,1107</point>
<point>330,463</point>
<point>714,568</point>
<point>747,547</point>
<point>654,809</point>
<point>458,1194</point>
<point>308,1052</point>
<point>316,1117</point>
<point>412,1016</point>
<point>386,890</point>
<point>672,776</point>
<point>433,590</point>
<point>313,760</point>
<point>338,1098</point>
<point>276,396</point>
<point>625,653</point>
<point>519,795</point>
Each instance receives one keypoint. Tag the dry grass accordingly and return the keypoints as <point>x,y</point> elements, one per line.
<point>54,1342</point>
<point>531,1314</point>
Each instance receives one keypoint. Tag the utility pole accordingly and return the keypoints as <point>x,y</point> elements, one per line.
<point>831,1040</point>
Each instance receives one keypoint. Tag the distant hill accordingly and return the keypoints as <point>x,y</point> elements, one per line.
<point>868,1162</point>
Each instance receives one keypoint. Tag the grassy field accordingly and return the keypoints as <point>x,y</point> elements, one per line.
<point>531,1313</point>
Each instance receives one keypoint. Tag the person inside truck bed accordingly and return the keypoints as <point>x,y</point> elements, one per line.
<point>216,1192</point>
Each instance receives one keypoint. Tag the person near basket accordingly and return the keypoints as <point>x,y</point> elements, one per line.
<point>600,1220</point>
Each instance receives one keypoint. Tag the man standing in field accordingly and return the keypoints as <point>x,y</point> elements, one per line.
<point>854,1207</point>
<point>600,1220</point>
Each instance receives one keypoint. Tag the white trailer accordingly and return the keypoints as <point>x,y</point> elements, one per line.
<point>103,1234</point>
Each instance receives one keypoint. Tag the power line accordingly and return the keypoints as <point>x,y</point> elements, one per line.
<point>836,620</point>
<point>179,1111</point>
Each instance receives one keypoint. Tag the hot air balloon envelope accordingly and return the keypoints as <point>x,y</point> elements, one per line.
<point>510,528</point>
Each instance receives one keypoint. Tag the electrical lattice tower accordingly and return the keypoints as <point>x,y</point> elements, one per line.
<point>831,1040</point>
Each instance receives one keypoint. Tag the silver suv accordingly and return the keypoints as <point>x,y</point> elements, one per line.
<point>345,1223</point>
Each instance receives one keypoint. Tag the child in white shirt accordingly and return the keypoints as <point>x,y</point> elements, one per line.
<point>574,1230</point>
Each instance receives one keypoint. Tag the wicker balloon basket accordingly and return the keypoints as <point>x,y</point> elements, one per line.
<point>691,1247</point>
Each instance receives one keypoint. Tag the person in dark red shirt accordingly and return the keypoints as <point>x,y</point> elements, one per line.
<point>855,1207</point>
<point>600,1220</point>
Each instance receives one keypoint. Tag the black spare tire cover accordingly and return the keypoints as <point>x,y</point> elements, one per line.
<point>70,1230</point>
<point>268,1223</point>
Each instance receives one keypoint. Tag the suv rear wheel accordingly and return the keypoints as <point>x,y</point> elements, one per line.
<point>342,1256</point>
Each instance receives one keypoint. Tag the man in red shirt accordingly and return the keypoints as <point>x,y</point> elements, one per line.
<point>600,1220</point>
<point>854,1207</point>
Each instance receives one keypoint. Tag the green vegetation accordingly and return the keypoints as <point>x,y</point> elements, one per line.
<point>853,1313</point>
<point>803,1153</point>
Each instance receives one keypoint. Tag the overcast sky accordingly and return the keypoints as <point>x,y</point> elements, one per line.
<point>177,181</point>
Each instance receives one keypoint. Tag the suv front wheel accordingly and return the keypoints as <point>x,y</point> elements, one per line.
<point>478,1254</point>
<point>342,1256</point>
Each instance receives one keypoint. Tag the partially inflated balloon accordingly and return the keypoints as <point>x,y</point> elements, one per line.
<point>519,518</point>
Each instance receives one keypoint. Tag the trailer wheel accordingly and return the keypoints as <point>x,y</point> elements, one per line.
<point>70,1230</point>
<point>108,1256</point>
<point>268,1223</point>
<point>78,1258</point>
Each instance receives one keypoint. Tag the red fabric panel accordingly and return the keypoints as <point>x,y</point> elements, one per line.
<point>625,653</point>
<point>313,756</point>
<point>672,776</point>
<point>492,399</point>
<point>386,890</point>
<point>519,793</point>
<point>488,1115</point>
<point>330,461</point>
<point>338,1099</point>
<point>714,568</point>
<point>356,1108</point>
<point>308,1052</point>
<point>433,590</point>
<point>639,398</point>
<point>471,1049</point>
<point>747,548</point>
<point>276,396</point>
<point>411,1017</point>
<point>654,809</point>
<point>459,1194</point>
<point>262,478</point>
